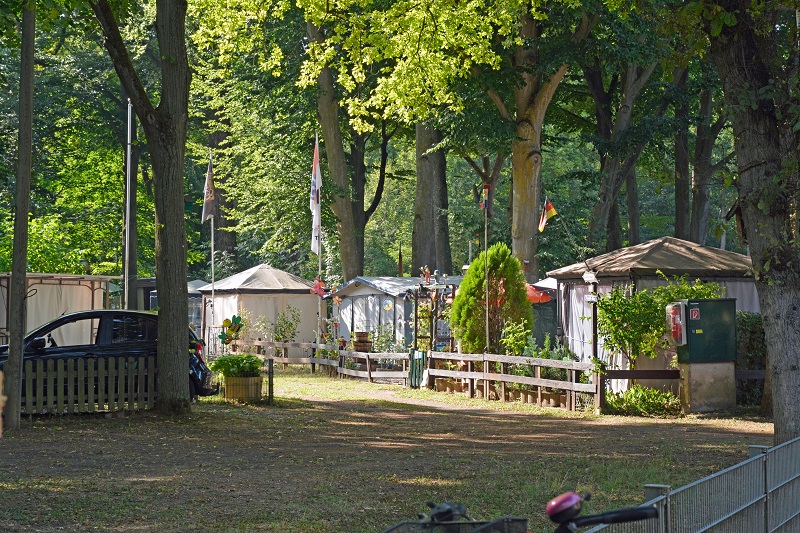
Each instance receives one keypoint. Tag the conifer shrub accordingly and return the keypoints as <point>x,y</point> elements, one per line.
<point>507,298</point>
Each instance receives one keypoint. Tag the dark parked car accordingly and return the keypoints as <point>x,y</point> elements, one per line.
<point>110,333</point>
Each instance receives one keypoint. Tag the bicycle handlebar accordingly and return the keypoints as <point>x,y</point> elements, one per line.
<point>631,514</point>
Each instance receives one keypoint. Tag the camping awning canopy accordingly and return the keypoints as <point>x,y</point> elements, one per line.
<point>671,256</point>
<point>260,279</point>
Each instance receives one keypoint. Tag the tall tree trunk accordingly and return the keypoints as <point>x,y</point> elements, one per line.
<point>634,214</point>
<point>225,236</point>
<point>531,97</point>
<point>744,57</point>
<point>704,168</point>
<point>615,168</point>
<point>17,308</point>
<point>423,236</point>
<point>328,109</point>
<point>682,183</point>
<point>614,230</point>
<point>165,128</point>
<point>358,168</point>
<point>444,258</point>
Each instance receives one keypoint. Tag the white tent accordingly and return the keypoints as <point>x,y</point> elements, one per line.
<point>51,295</point>
<point>265,292</point>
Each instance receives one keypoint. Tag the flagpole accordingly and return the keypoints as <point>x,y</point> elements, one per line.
<point>128,202</point>
<point>486,263</point>
<point>213,323</point>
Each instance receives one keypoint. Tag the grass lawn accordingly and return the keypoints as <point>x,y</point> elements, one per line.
<point>337,455</point>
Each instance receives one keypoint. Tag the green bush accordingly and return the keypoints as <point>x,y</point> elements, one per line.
<point>508,300</point>
<point>642,401</point>
<point>236,365</point>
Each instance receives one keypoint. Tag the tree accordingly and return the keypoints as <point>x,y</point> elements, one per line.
<point>19,285</point>
<point>756,51</point>
<point>165,128</point>
<point>507,300</point>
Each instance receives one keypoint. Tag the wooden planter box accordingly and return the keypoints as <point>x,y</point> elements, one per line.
<point>246,389</point>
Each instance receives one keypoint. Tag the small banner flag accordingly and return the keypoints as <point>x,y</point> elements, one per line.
<point>485,201</point>
<point>314,203</point>
<point>209,193</point>
<point>547,213</point>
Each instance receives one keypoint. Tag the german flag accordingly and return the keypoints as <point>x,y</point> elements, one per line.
<point>547,213</point>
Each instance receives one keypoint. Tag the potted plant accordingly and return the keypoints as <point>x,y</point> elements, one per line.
<point>242,375</point>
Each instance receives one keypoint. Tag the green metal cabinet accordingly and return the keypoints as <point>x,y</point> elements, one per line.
<point>710,331</point>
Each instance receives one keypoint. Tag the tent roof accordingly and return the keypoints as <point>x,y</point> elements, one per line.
<point>260,279</point>
<point>673,257</point>
<point>390,285</point>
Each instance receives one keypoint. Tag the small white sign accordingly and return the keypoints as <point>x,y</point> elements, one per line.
<point>591,298</point>
<point>589,277</point>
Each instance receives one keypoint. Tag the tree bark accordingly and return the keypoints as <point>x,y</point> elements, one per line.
<point>704,169</point>
<point>682,183</point>
<point>532,96</point>
<point>444,258</point>
<point>423,237</point>
<point>165,128</point>
<point>615,167</point>
<point>19,259</point>
<point>767,183</point>
<point>328,109</point>
<point>634,214</point>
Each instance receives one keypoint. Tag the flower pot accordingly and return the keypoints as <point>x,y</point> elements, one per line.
<point>245,389</point>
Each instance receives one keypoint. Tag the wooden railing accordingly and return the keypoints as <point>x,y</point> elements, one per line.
<point>61,386</point>
<point>495,369</point>
<point>366,365</point>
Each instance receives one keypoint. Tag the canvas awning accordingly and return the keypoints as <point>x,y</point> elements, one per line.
<point>671,256</point>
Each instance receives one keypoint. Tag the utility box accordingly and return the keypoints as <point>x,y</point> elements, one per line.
<point>704,332</point>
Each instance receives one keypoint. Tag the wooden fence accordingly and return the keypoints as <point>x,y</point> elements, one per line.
<point>364,365</point>
<point>74,385</point>
<point>499,372</point>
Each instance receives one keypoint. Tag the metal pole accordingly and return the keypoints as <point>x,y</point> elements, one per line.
<point>213,323</point>
<point>486,272</point>
<point>128,194</point>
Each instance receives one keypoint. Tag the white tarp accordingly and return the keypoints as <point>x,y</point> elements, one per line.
<point>52,295</point>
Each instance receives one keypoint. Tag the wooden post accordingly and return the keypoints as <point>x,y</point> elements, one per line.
<point>504,371</point>
<point>2,403</point>
<point>599,393</point>
<point>471,381</point>
<point>270,375</point>
<point>537,372</point>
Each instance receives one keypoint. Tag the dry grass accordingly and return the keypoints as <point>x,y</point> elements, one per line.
<point>341,455</point>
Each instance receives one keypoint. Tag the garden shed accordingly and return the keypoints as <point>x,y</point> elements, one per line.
<point>261,291</point>
<point>375,303</point>
<point>639,266</point>
<point>383,303</point>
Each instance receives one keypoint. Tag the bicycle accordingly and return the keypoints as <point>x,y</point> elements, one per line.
<point>563,510</point>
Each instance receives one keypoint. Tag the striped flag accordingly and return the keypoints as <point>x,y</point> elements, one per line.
<point>314,205</point>
<point>547,213</point>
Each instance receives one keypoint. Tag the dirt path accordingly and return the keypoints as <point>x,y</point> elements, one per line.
<point>336,456</point>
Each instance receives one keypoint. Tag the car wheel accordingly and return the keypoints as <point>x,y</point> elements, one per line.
<point>192,392</point>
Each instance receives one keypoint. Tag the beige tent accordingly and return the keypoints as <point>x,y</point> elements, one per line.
<point>48,296</point>
<point>639,266</point>
<point>264,292</point>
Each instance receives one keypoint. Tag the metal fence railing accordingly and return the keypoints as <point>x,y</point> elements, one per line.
<point>759,494</point>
